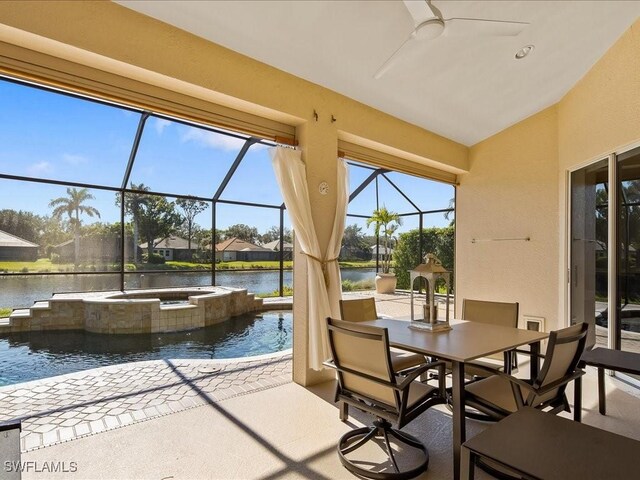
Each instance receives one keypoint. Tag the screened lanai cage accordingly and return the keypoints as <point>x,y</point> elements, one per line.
<point>98,196</point>
<point>425,222</point>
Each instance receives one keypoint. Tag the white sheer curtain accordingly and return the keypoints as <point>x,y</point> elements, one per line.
<point>323,279</point>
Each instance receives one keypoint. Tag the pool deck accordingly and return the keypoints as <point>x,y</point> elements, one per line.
<point>67,407</point>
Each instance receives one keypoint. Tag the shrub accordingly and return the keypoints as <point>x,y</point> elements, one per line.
<point>439,241</point>
<point>350,286</point>
<point>55,258</point>
<point>24,270</point>
<point>287,291</point>
<point>154,258</point>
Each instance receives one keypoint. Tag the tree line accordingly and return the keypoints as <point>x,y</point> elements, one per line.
<point>152,218</point>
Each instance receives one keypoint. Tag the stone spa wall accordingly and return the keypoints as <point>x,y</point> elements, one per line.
<point>135,312</point>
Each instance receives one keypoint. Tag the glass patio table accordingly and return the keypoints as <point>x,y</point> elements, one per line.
<point>465,342</point>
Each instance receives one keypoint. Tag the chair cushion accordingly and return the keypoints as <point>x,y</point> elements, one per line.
<point>402,360</point>
<point>496,390</point>
<point>418,391</point>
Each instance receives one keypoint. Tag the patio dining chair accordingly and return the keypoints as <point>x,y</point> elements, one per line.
<point>364,309</point>
<point>501,394</point>
<point>367,381</point>
<point>494,313</point>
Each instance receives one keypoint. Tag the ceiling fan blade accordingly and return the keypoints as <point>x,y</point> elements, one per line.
<point>389,62</point>
<point>481,26</point>
<point>420,10</point>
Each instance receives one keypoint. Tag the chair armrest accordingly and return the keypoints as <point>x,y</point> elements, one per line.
<point>530,387</point>
<point>419,371</point>
<point>527,352</point>
<point>511,378</point>
<point>558,383</point>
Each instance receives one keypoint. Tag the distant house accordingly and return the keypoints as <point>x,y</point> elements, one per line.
<point>274,246</point>
<point>233,249</point>
<point>382,252</point>
<point>354,253</point>
<point>14,248</point>
<point>92,249</point>
<point>172,248</point>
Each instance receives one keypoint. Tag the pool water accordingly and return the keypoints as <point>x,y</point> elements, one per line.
<point>32,355</point>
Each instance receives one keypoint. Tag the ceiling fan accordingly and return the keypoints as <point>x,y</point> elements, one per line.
<point>429,24</point>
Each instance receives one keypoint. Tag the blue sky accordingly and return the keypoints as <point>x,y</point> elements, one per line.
<point>53,136</point>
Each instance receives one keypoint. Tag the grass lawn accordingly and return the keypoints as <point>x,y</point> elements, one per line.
<point>5,312</point>
<point>41,265</point>
<point>44,265</point>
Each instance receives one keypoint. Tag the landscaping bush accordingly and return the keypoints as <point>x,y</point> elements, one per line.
<point>55,258</point>
<point>350,286</point>
<point>287,291</point>
<point>154,258</point>
<point>439,241</point>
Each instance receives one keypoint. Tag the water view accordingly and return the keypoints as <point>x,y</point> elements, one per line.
<point>33,355</point>
<point>18,291</point>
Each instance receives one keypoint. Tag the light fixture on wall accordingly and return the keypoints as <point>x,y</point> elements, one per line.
<point>524,51</point>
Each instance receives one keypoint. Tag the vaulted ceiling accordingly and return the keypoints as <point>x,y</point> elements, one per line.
<point>464,87</point>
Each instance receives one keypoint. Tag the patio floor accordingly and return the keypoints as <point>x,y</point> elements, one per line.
<point>279,432</point>
<point>224,419</point>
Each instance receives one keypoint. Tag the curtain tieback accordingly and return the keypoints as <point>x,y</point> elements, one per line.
<point>323,265</point>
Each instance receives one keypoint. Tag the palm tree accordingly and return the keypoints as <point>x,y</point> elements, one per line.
<point>73,206</point>
<point>388,222</point>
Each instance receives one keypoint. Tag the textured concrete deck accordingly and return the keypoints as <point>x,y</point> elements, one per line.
<point>67,407</point>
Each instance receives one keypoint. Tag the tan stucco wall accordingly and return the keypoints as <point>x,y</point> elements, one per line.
<point>511,192</point>
<point>601,113</point>
<point>517,186</point>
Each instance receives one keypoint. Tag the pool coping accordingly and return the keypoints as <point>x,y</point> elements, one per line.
<point>141,363</point>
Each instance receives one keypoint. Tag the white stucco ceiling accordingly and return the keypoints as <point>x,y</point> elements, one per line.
<point>465,88</point>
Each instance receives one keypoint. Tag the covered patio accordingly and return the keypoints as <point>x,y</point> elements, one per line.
<point>544,157</point>
<point>287,431</point>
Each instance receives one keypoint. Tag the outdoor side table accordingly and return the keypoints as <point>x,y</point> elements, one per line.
<point>605,358</point>
<point>541,445</point>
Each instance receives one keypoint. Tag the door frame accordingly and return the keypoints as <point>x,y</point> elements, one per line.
<point>612,264</point>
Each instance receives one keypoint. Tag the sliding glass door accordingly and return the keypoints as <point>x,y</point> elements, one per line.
<point>589,271</point>
<point>627,335</point>
<point>605,281</point>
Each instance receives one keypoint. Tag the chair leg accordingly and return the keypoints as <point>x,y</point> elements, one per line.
<point>355,439</point>
<point>344,411</point>
<point>602,397</point>
<point>390,450</point>
<point>577,400</point>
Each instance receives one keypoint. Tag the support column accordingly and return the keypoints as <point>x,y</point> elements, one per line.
<point>318,141</point>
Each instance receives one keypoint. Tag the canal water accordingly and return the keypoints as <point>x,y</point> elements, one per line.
<point>16,292</point>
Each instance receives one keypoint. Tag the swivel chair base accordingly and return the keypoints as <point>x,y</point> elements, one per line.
<point>382,429</point>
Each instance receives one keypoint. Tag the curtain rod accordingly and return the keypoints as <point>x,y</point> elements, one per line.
<point>522,239</point>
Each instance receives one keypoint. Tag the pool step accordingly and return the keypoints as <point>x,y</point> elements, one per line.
<point>21,313</point>
<point>41,306</point>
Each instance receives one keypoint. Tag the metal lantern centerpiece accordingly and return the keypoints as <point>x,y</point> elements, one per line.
<point>432,270</point>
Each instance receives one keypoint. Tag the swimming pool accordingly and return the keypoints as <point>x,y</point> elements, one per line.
<point>32,355</point>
